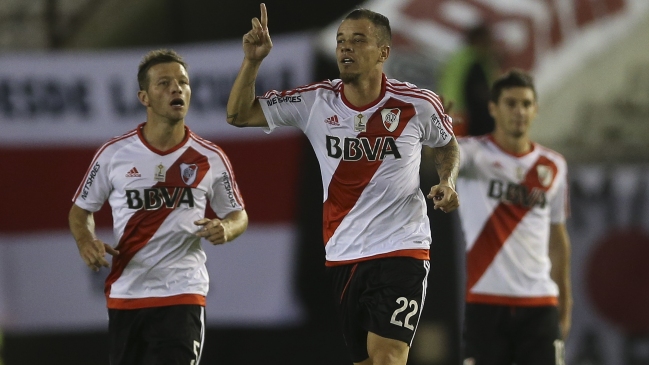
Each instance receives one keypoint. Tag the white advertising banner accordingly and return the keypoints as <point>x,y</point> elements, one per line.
<point>88,97</point>
<point>46,287</point>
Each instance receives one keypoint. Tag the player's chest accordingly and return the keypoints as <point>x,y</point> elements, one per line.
<point>520,181</point>
<point>505,168</point>
<point>373,135</point>
<point>146,172</point>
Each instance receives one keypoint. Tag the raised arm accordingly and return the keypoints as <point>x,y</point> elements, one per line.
<point>243,109</point>
<point>560,258</point>
<point>91,249</point>
<point>447,163</point>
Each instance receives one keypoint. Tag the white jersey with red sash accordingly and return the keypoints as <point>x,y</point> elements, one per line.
<point>155,198</point>
<point>508,204</point>
<point>369,160</point>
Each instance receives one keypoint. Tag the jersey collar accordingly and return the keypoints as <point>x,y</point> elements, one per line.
<point>140,134</point>
<point>517,155</point>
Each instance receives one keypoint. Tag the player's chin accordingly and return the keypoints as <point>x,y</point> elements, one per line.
<point>349,77</point>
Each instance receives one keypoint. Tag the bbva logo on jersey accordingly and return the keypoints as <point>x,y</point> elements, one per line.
<point>518,194</point>
<point>159,197</point>
<point>355,149</point>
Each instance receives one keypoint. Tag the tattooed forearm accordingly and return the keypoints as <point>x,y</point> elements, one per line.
<point>232,118</point>
<point>240,101</point>
<point>243,109</point>
<point>447,162</point>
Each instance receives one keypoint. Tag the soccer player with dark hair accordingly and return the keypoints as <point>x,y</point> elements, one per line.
<point>518,293</point>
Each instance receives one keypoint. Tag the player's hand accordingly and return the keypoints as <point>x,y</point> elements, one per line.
<point>444,197</point>
<point>212,230</point>
<point>257,43</point>
<point>93,252</point>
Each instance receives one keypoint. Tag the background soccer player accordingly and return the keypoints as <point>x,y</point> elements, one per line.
<point>518,295</point>
<point>158,180</point>
<point>367,132</point>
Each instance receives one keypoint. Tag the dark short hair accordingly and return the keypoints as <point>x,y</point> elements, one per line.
<point>380,21</point>
<point>510,79</point>
<point>153,58</point>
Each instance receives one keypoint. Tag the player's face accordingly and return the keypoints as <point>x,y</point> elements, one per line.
<point>515,110</point>
<point>357,51</point>
<point>168,93</point>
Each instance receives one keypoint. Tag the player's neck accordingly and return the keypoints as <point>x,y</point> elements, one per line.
<point>364,90</point>
<point>513,144</point>
<point>164,135</point>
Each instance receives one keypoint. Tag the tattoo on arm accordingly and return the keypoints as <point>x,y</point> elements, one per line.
<point>447,161</point>
<point>241,99</point>
<point>232,118</point>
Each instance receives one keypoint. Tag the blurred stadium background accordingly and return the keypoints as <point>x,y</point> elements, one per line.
<point>67,83</point>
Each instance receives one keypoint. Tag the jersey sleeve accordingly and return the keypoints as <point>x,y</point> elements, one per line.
<point>225,196</point>
<point>438,126</point>
<point>96,186</point>
<point>560,203</point>
<point>468,148</point>
<point>287,108</point>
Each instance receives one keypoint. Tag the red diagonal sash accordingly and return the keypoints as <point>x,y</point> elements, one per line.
<point>351,177</point>
<point>143,224</point>
<point>504,219</point>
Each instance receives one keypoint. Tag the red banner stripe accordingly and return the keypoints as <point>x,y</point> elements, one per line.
<point>47,178</point>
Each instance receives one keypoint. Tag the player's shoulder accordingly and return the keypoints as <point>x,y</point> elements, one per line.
<point>419,96</point>
<point>550,154</point>
<point>205,146</point>
<point>408,87</point>
<point>326,85</point>
<point>115,144</point>
<point>305,92</point>
<point>474,141</point>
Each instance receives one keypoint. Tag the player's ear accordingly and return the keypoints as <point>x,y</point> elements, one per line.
<point>143,96</point>
<point>492,109</point>
<point>385,53</point>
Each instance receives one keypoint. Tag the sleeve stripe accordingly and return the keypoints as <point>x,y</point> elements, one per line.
<point>216,149</point>
<point>96,156</point>
<point>318,85</point>
<point>427,95</point>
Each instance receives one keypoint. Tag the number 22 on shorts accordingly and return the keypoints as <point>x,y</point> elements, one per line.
<point>403,301</point>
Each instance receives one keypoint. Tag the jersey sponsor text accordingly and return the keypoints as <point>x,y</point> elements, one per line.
<point>228,189</point>
<point>442,131</point>
<point>90,180</point>
<point>518,194</point>
<point>284,99</point>
<point>354,149</point>
<point>156,198</point>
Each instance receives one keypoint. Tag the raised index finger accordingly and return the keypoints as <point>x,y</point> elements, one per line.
<point>264,17</point>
